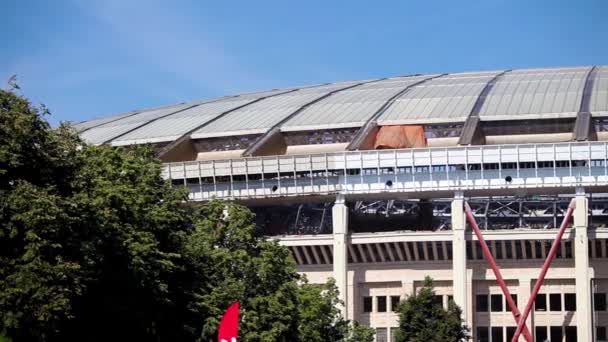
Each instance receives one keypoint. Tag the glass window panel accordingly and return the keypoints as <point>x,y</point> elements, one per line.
<point>367,304</point>
<point>381,303</point>
<point>381,335</point>
<point>540,333</point>
<point>599,301</point>
<point>570,301</point>
<point>555,302</point>
<point>438,299</point>
<point>540,304</point>
<point>571,334</point>
<point>510,333</point>
<point>482,334</point>
<point>514,297</point>
<point>556,333</point>
<point>496,302</point>
<point>395,303</point>
<point>481,303</point>
<point>497,334</point>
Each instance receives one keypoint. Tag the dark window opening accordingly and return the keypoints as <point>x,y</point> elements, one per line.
<point>482,303</point>
<point>496,302</point>
<point>437,299</point>
<point>367,304</point>
<point>510,333</point>
<point>514,297</point>
<point>540,333</point>
<point>570,301</point>
<point>482,334</point>
<point>555,302</point>
<point>540,304</point>
<point>497,334</point>
<point>600,333</point>
<point>395,303</point>
<point>571,334</point>
<point>599,301</point>
<point>556,333</point>
<point>381,304</point>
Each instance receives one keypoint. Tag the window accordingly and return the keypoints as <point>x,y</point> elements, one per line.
<point>482,303</point>
<point>599,301</point>
<point>394,334</point>
<point>496,333</point>
<point>438,300</point>
<point>510,333</point>
<point>381,334</point>
<point>570,301</point>
<point>555,302</point>
<point>540,302</point>
<point>600,333</point>
<point>482,334</point>
<point>395,303</point>
<point>367,304</point>
<point>556,333</point>
<point>496,302</point>
<point>514,297</point>
<point>571,334</point>
<point>540,333</point>
<point>381,304</point>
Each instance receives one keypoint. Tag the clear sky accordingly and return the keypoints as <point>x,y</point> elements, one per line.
<point>91,58</point>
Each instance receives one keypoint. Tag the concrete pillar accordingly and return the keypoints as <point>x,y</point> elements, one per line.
<point>523,296</point>
<point>352,294</point>
<point>340,231</point>
<point>581,268</point>
<point>459,259</point>
<point>407,288</point>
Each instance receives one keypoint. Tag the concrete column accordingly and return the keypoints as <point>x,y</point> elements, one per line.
<point>581,268</point>
<point>459,258</point>
<point>523,296</point>
<point>340,231</point>
<point>352,294</point>
<point>407,288</point>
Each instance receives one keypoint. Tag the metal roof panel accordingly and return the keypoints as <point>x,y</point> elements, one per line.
<point>351,107</point>
<point>263,115</point>
<point>536,93</point>
<point>447,98</point>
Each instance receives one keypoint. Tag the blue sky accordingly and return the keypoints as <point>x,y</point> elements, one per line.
<point>85,59</point>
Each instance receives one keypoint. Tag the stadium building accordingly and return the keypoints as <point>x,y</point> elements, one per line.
<point>369,181</point>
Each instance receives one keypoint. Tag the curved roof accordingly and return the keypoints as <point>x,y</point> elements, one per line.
<point>418,99</point>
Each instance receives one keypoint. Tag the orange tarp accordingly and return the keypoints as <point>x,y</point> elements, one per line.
<point>400,136</point>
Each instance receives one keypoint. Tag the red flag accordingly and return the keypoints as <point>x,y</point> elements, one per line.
<point>229,326</point>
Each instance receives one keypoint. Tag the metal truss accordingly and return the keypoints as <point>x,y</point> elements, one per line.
<point>492,213</point>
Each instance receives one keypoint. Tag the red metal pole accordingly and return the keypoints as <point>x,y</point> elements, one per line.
<point>546,265</point>
<point>497,274</point>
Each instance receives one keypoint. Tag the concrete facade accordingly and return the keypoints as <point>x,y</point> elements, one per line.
<point>375,270</point>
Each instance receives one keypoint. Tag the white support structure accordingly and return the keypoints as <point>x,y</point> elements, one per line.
<point>340,242</point>
<point>436,169</point>
<point>459,260</point>
<point>581,265</point>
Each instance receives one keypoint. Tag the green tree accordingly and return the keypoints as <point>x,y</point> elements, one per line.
<point>95,245</point>
<point>423,319</point>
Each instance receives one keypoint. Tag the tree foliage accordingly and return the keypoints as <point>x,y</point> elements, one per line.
<point>423,319</point>
<point>95,245</point>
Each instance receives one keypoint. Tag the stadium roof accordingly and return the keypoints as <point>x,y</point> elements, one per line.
<point>418,99</point>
